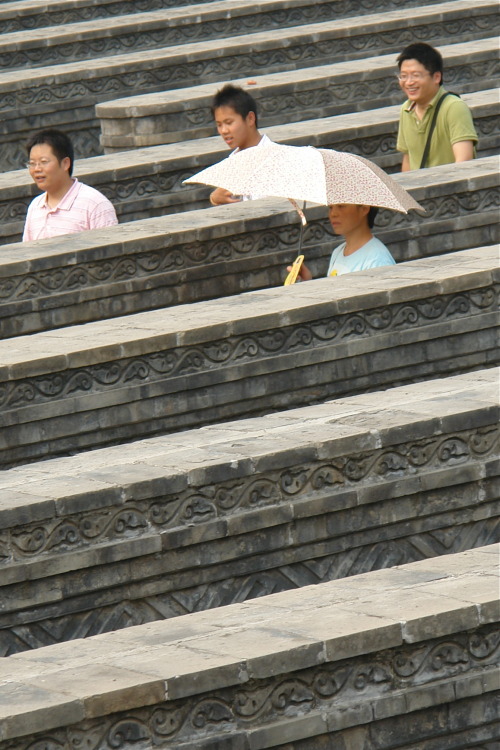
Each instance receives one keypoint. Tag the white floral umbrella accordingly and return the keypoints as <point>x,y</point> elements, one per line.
<point>305,173</point>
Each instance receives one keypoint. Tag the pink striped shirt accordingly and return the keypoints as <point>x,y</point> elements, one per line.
<point>82,208</point>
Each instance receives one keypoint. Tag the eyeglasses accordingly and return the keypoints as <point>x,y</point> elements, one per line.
<point>404,77</point>
<point>42,163</point>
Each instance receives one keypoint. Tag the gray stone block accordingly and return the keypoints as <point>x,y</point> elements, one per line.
<point>256,234</point>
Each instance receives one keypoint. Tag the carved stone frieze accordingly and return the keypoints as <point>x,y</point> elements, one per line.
<point>118,610</point>
<point>237,350</point>
<point>105,87</point>
<point>74,14</point>
<point>240,25</point>
<point>264,702</point>
<point>191,255</point>
<point>207,503</point>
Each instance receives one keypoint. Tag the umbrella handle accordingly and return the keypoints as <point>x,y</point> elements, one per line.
<point>303,222</point>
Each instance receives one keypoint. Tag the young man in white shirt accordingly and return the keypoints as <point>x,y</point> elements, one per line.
<point>235,115</point>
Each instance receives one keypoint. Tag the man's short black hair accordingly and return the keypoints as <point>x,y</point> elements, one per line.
<point>59,142</point>
<point>372,213</point>
<point>237,98</point>
<point>426,55</point>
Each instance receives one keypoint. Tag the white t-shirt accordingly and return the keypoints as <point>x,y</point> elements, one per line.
<point>264,141</point>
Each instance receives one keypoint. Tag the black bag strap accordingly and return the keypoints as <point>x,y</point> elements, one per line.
<point>425,155</point>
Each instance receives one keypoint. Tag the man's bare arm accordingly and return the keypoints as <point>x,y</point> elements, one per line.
<point>405,166</point>
<point>463,150</point>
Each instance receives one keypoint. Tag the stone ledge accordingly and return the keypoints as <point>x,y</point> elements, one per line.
<point>208,655</point>
<point>31,14</point>
<point>122,33</point>
<point>148,182</point>
<point>197,255</point>
<point>225,358</point>
<point>231,512</point>
<point>370,84</point>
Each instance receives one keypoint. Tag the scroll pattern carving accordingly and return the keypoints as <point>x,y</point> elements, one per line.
<point>86,13</point>
<point>208,503</point>
<point>77,621</point>
<point>259,703</point>
<point>105,87</point>
<point>323,11</point>
<point>237,350</point>
<point>154,38</point>
<point>191,255</point>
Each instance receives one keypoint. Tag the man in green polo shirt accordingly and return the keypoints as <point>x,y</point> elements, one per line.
<point>454,137</point>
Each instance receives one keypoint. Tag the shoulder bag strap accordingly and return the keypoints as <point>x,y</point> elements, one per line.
<point>431,130</point>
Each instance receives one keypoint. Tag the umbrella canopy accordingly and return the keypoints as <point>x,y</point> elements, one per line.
<point>305,173</point>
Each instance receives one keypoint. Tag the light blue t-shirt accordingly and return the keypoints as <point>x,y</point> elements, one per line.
<point>371,255</point>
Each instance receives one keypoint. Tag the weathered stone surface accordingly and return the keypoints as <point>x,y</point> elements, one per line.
<point>156,372</point>
<point>31,14</point>
<point>171,26</point>
<point>148,182</point>
<point>68,93</point>
<point>234,671</point>
<point>197,255</point>
<point>298,497</point>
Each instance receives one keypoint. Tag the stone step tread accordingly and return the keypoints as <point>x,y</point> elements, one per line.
<point>147,664</point>
<point>140,235</point>
<point>367,67</point>
<point>264,40</point>
<point>135,22</point>
<point>297,133</point>
<point>112,476</point>
<point>97,341</point>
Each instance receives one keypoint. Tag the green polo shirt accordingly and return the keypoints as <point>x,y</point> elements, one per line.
<point>454,123</point>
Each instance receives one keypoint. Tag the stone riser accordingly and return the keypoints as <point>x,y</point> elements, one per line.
<point>70,98</point>
<point>413,646</point>
<point>275,557</point>
<point>26,15</point>
<point>156,29</point>
<point>141,381</point>
<point>149,183</point>
<point>149,553</point>
<point>287,97</point>
<point>198,257</point>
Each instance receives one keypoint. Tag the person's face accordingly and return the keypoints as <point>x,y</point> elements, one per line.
<point>417,83</point>
<point>346,217</point>
<point>233,128</point>
<point>48,173</point>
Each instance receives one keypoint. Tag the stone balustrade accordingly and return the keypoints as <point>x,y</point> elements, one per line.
<point>170,26</point>
<point>170,369</point>
<point>148,182</point>
<point>401,655</point>
<point>67,94</point>
<point>162,527</point>
<point>223,251</point>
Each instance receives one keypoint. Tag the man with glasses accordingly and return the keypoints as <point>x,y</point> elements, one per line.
<point>435,126</point>
<point>66,206</point>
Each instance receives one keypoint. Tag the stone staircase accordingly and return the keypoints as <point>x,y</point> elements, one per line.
<point>68,93</point>
<point>236,516</point>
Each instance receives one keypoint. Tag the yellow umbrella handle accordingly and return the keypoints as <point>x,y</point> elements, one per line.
<point>294,271</point>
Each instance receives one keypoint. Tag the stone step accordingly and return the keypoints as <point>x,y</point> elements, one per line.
<point>32,14</point>
<point>173,116</point>
<point>118,34</point>
<point>171,369</point>
<point>406,654</point>
<point>68,93</point>
<point>223,251</point>
<point>171,525</point>
<point>147,182</point>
